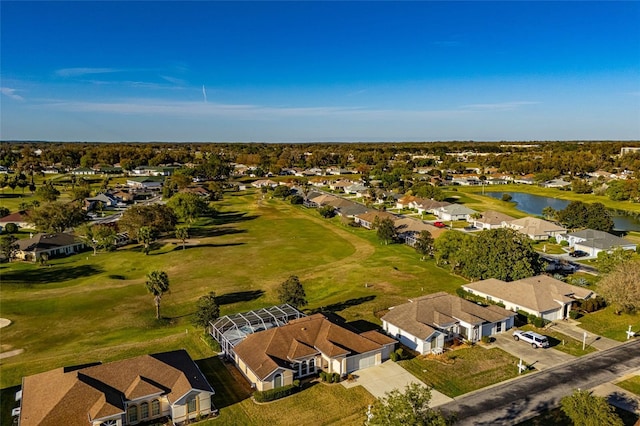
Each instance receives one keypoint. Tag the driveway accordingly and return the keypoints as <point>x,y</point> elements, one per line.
<point>540,359</point>
<point>388,376</point>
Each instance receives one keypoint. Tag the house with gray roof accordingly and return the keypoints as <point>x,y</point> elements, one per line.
<point>453,212</point>
<point>542,295</point>
<point>51,245</point>
<point>593,242</point>
<point>426,323</point>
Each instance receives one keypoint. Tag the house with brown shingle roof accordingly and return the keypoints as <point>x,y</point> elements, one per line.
<point>426,323</point>
<point>366,220</point>
<point>542,295</point>
<point>159,386</point>
<point>534,228</point>
<point>21,219</point>
<point>277,356</point>
<point>490,220</point>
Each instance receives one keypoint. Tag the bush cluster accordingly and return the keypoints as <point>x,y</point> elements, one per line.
<point>536,321</point>
<point>593,304</point>
<point>277,393</point>
<point>329,377</point>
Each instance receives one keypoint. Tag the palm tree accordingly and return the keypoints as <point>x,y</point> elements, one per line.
<point>182,233</point>
<point>157,284</point>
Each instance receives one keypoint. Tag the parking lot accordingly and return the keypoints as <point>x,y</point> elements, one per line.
<point>540,359</point>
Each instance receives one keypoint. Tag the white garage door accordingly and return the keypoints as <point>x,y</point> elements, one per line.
<point>358,362</point>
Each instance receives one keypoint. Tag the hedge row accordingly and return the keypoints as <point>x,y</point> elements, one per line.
<point>277,393</point>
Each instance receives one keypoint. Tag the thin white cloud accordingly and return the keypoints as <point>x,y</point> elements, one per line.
<point>499,106</point>
<point>195,109</point>
<point>7,91</point>
<point>77,72</point>
<point>173,80</point>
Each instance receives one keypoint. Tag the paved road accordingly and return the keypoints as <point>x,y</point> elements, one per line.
<point>523,398</point>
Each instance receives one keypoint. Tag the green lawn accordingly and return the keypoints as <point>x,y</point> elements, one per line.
<point>632,385</point>
<point>463,370</point>
<point>606,323</point>
<point>562,342</point>
<point>86,308</point>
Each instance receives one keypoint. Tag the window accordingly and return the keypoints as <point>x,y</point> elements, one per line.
<point>191,405</point>
<point>132,413</point>
<point>312,365</point>
<point>303,370</point>
<point>155,407</point>
<point>144,410</point>
<point>109,423</point>
<point>499,327</point>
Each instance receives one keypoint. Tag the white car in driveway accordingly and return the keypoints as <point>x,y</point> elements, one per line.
<point>536,340</point>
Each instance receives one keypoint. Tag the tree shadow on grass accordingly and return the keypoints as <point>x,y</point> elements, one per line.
<point>233,217</point>
<point>239,296</point>
<point>214,232</point>
<point>180,248</point>
<point>336,307</point>
<point>45,275</point>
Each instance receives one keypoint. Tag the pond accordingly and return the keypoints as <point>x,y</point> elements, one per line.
<point>533,204</point>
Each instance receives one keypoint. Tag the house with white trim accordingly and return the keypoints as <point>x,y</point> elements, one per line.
<point>593,242</point>
<point>161,386</point>
<point>425,324</point>
<point>453,212</point>
<point>277,356</point>
<point>490,220</point>
<point>536,229</point>
<point>542,295</point>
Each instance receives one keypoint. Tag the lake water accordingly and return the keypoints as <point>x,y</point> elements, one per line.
<point>533,204</point>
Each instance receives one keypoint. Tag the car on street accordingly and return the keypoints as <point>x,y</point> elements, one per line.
<point>439,225</point>
<point>536,340</point>
<point>578,253</point>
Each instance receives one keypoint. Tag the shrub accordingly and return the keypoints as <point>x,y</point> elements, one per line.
<point>11,228</point>
<point>393,356</point>
<point>323,376</point>
<point>593,304</point>
<point>400,353</point>
<point>506,197</point>
<point>461,292</point>
<point>552,240</point>
<point>574,314</point>
<point>486,339</point>
<point>336,378</point>
<point>296,199</point>
<point>538,322</point>
<point>564,243</point>
<point>273,394</point>
<point>296,383</point>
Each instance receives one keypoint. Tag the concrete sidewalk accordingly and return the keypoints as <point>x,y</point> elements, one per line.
<point>619,397</point>
<point>388,376</point>
<point>570,328</point>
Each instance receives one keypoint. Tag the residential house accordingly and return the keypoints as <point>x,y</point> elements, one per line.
<point>366,220</point>
<point>427,323</point>
<point>355,188</point>
<point>351,209</point>
<point>21,219</point>
<point>196,190</point>
<point>51,245</point>
<point>145,182</point>
<point>453,212</point>
<point>107,201</point>
<point>526,179</point>
<point>594,242</point>
<point>276,356</point>
<point>536,229</point>
<point>542,295</point>
<point>556,183</point>
<point>83,171</point>
<point>490,220</point>
<point>339,185</point>
<point>121,393</point>
<point>264,182</point>
<point>409,228</point>
<point>426,205</point>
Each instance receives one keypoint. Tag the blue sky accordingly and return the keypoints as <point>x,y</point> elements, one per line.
<point>319,71</point>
